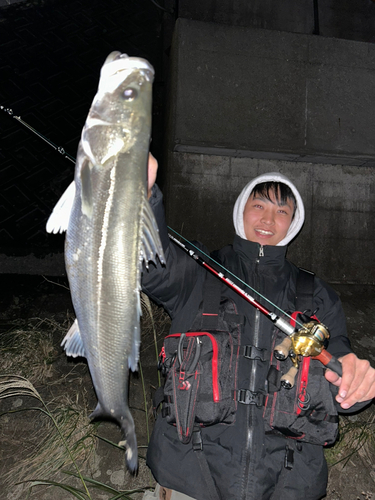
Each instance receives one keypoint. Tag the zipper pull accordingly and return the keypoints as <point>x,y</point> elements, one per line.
<point>261,251</point>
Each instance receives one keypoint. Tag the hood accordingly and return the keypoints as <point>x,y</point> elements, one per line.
<point>299,216</point>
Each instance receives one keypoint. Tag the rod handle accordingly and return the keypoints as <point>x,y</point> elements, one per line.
<point>330,362</point>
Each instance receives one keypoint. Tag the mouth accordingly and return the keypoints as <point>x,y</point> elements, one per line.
<point>264,232</point>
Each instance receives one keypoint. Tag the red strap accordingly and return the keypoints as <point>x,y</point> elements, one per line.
<point>304,380</point>
<point>294,318</point>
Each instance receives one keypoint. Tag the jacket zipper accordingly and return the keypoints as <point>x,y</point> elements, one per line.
<point>260,253</point>
<point>250,408</point>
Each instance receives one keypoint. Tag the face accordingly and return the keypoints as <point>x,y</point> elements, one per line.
<point>265,221</point>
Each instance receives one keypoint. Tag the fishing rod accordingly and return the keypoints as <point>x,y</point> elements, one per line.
<point>308,340</point>
<point>281,323</point>
<point>59,149</point>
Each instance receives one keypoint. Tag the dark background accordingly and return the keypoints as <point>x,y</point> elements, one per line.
<point>51,55</point>
<point>51,52</point>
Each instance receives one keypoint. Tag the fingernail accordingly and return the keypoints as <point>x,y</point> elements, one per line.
<point>345,406</point>
<point>342,394</point>
<point>339,400</point>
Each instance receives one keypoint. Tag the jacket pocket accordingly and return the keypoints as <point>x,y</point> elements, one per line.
<point>201,375</point>
<point>307,411</point>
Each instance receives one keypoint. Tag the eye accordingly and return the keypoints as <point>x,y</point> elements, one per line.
<point>130,94</point>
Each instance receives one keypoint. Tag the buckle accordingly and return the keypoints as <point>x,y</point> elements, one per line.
<point>247,397</point>
<point>288,459</point>
<point>165,411</point>
<point>252,352</point>
<point>197,442</point>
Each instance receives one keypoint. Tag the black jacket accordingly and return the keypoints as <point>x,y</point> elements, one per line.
<point>244,462</point>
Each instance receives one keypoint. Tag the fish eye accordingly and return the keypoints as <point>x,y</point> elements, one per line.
<point>130,94</point>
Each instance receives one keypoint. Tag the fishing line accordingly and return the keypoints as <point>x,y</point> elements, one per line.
<point>66,155</point>
<point>57,148</point>
<point>309,340</point>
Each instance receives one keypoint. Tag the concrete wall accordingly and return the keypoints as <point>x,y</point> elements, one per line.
<point>247,101</point>
<point>337,240</point>
<point>260,93</point>
<point>352,20</point>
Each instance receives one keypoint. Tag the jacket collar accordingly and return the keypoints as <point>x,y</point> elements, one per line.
<point>262,254</point>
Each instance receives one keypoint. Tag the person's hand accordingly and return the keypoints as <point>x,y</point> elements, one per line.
<point>357,383</point>
<point>152,171</point>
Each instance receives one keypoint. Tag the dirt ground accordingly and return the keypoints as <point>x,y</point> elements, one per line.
<point>36,305</point>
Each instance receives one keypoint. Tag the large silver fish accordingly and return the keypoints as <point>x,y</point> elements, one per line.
<point>110,231</point>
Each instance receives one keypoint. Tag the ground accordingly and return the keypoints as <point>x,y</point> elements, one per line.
<point>35,314</point>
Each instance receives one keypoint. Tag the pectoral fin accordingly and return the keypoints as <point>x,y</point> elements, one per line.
<point>86,188</point>
<point>59,219</point>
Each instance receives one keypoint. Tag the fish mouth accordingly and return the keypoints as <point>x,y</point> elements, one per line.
<point>118,66</point>
<point>116,62</point>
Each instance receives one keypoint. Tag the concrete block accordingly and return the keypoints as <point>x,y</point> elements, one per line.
<point>258,93</point>
<point>341,19</point>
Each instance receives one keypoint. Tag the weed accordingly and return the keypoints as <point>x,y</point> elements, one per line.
<point>356,435</point>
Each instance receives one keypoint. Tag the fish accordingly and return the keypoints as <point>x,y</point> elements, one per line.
<point>111,233</point>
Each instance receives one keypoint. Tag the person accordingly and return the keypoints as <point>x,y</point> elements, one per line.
<point>245,460</point>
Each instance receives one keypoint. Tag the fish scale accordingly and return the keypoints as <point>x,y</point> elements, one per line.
<point>110,230</point>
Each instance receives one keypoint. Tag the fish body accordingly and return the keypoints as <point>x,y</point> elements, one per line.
<point>110,231</point>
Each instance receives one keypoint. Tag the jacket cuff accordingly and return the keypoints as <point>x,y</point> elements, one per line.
<point>156,196</point>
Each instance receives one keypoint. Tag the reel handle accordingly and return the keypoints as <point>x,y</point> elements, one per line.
<point>330,362</point>
<point>288,380</point>
<point>281,351</point>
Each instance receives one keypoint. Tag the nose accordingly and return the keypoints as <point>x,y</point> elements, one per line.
<point>268,217</point>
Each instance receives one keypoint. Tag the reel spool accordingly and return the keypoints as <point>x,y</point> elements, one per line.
<point>307,341</point>
<point>310,339</point>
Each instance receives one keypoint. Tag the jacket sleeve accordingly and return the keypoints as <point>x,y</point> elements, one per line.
<point>177,285</point>
<point>331,314</point>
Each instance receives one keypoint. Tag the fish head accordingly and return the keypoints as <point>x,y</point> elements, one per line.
<point>124,88</point>
<point>121,110</point>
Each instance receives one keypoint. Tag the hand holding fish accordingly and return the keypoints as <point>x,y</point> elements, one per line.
<point>152,172</point>
<point>357,383</point>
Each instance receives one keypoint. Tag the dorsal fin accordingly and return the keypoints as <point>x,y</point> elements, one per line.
<point>151,244</point>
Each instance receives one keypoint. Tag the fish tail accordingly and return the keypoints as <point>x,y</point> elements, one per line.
<point>129,442</point>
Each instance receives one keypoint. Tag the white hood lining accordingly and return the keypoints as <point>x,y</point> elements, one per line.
<point>239,207</point>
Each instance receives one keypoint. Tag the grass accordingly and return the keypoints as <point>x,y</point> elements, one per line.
<point>55,434</point>
<point>155,325</point>
<point>66,439</point>
<point>356,435</point>
<point>62,437</point>
<point>30,351</point>
<point>62,434</point>
<point>16,386</point>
